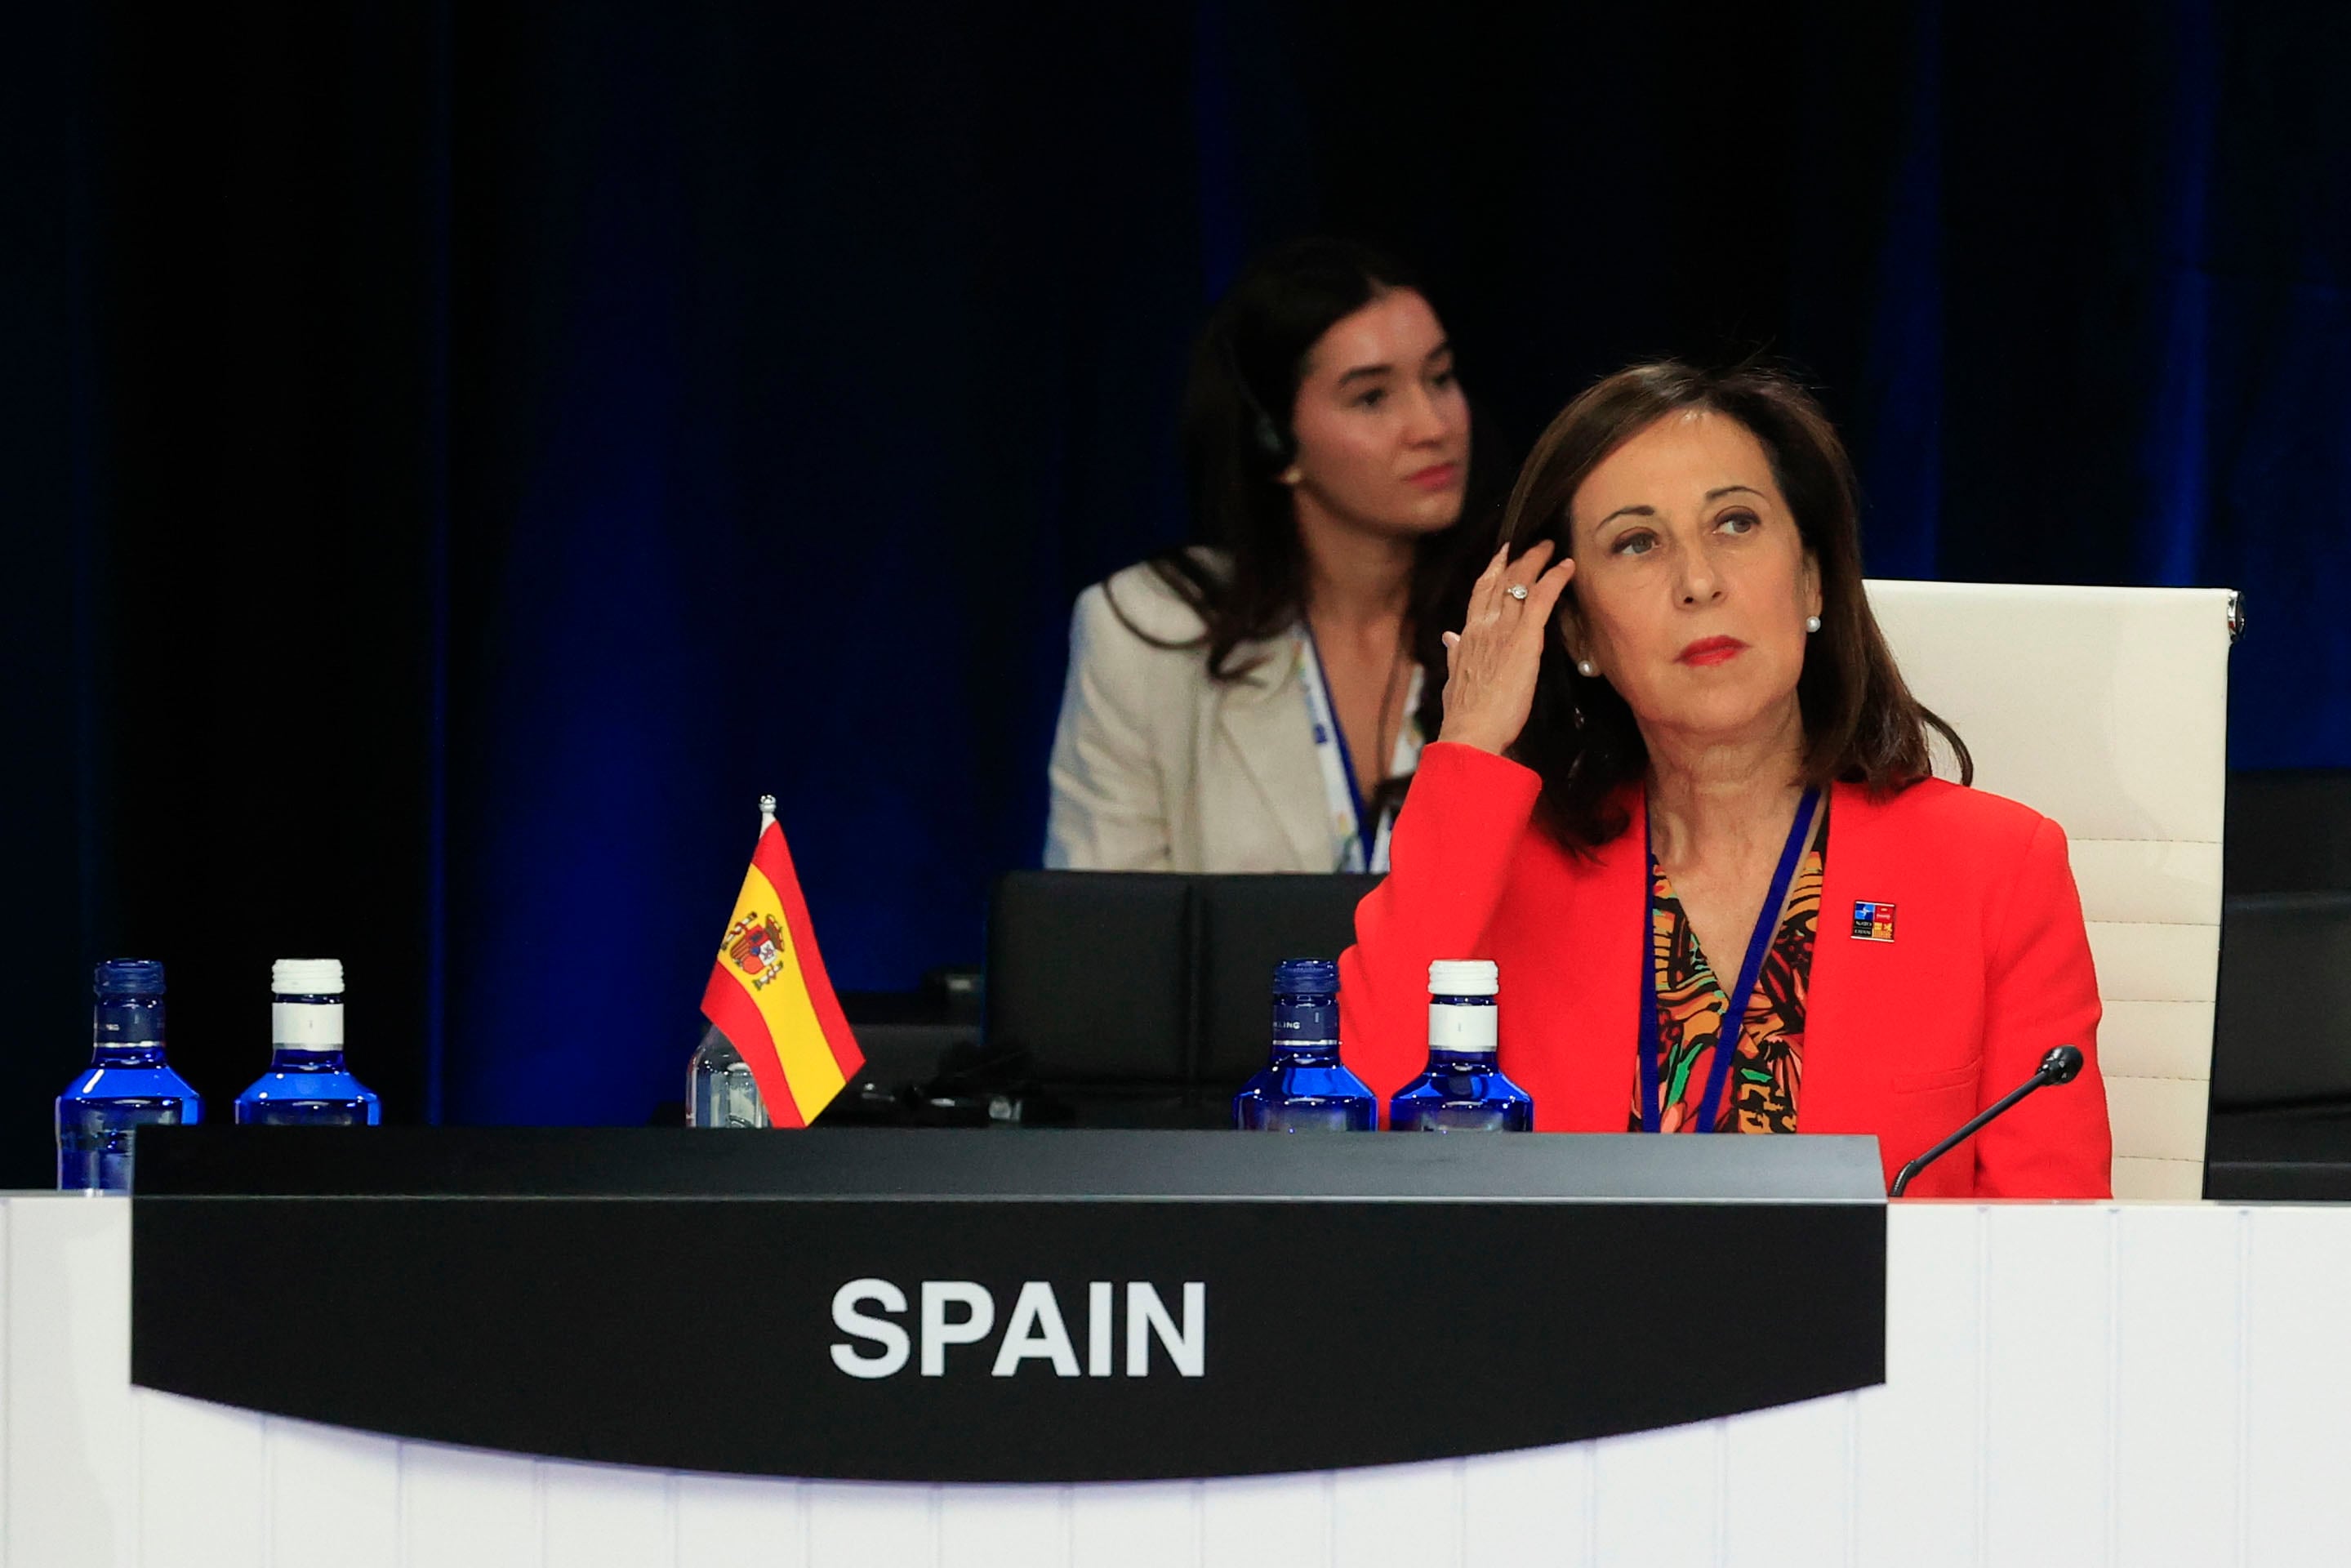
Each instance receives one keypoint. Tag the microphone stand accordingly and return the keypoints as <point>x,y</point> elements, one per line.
<point>2058,1066</point>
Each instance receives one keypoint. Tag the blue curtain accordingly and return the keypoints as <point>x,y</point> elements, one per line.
<point>725,398</point>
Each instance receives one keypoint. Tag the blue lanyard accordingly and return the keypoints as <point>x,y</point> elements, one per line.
<point>1734,1017</point>
<point>1366,829</point>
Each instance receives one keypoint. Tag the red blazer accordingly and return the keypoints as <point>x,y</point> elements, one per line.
<point>1989,969</point>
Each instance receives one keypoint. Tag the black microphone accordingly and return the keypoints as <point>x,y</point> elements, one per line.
<point>2060,1066</point>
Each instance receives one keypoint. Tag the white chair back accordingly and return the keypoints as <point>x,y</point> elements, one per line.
<point>2107,709</point>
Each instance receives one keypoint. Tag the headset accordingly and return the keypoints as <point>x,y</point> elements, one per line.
<point>1265,434</point>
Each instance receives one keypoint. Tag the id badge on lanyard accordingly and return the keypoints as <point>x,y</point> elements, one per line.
<point>1363,844</point>
<point>1734,1017</point>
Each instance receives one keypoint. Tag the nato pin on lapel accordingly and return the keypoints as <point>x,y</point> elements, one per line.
<point>1873,922</point>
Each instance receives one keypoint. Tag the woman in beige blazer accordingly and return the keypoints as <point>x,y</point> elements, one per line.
<point>1259,703</point>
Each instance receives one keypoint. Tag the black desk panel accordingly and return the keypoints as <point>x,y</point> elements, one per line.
<point>1163,1304</point>
<point>2294,1155</point>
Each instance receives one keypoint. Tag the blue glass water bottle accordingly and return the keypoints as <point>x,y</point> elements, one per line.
<point>307,1084</point>
<point>1463,1089</point>
<point>128,1084</point>
<point>1303,1088</point>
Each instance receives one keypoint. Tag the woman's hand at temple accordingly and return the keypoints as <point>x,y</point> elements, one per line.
<point>1491,663</point>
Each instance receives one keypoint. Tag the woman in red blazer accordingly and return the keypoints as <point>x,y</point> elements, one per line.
<point>1706,748</point>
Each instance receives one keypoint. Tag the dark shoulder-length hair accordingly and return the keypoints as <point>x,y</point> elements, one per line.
<point>1862,725</point>
<point>1246,366</point>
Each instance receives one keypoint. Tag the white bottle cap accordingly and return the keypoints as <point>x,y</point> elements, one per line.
<point>307,977</point>
<point>1464,977</point>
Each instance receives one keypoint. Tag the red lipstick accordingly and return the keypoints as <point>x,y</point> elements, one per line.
<point>1712,651</point>
<point>1436,476</point>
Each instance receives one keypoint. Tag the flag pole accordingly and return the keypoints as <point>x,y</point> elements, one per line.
<point>766,813</point>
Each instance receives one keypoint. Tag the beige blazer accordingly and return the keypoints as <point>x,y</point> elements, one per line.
<point>1157,768</point>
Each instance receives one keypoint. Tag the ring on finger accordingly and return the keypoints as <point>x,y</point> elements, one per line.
<point>1517,591</point>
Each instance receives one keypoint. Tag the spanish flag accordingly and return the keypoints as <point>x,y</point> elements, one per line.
<point>767,992</point>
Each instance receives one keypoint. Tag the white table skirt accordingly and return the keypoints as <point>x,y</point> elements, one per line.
<point>2067,1383</point>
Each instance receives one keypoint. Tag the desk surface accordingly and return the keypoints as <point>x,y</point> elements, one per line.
<point>887,1164</point>
<point>2145,1384</point>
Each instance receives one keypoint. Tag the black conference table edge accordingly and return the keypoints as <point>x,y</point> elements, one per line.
<point>1157,1304</point>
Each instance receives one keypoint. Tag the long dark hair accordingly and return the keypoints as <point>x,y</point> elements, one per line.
<point>1247,367</point>
<point>1861,724</point>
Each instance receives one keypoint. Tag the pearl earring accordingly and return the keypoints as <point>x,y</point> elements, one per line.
<point>1290,475</point>
<point>1583,667</point>
<point>1811,623</point>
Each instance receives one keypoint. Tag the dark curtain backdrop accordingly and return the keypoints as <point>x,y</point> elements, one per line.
<point>456,457</point>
